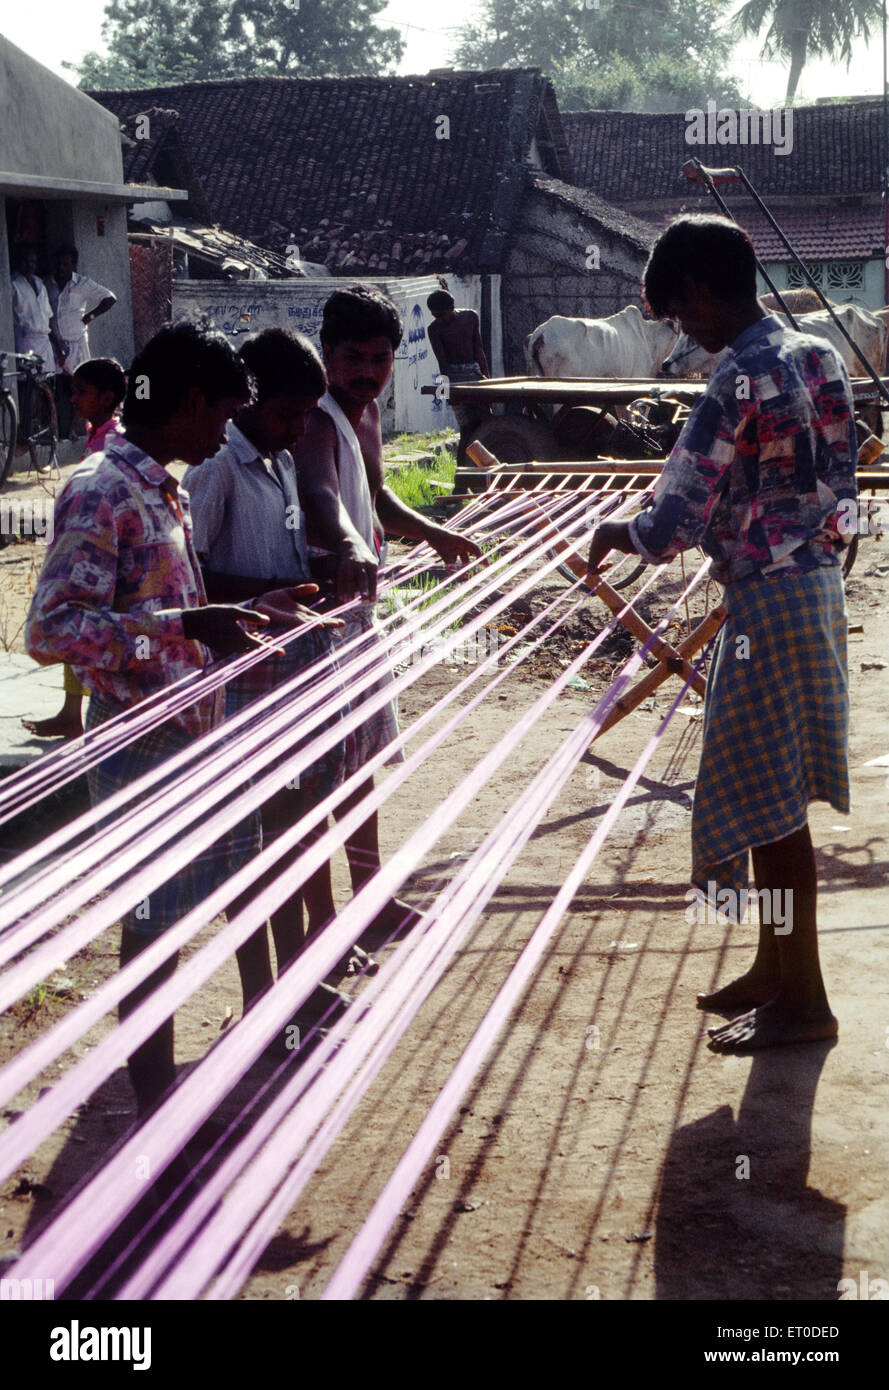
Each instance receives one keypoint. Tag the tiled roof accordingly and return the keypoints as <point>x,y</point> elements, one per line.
<point>625,157</point>
<point>639,233</point>
<point>830,234</point>
<point>159,153</point>
<point>141,149</point>
<point>351,169</point>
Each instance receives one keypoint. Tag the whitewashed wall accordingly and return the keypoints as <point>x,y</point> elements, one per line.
<point>239,307</point>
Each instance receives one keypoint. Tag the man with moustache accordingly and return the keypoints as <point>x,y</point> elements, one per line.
<point>349,510</point>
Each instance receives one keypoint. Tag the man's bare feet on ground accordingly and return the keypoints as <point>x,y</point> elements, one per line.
<point>773,1025</point>
<point>360,962</point>
<point>747,992</point>
<point>57,727</point>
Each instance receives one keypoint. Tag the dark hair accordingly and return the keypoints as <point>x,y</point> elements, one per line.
<point>711,250</point>
<point>360,313</point>
<point>178,358</point>
<point>106,374</point>
<point>67,248</point>
<point>23,249</point>
<point>283,363</point>
<point>440,299</point>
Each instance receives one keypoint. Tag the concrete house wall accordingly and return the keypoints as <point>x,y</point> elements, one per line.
<point>62,149</point>
<point>546,270</point>
<point>241,307</point>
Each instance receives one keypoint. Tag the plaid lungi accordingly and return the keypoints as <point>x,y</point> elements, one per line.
<point>382,727</point>
<point>775,720</point>
<point>178,895</point>
<point>330,769</point>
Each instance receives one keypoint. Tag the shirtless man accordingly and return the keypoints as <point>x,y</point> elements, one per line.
<point>457,343</point>
<point>348,512</point>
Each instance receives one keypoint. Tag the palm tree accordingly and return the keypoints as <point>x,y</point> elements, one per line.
<point>802,29</point>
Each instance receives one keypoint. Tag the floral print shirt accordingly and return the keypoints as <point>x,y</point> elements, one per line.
<point>764,459</point>
<point>120,568</point>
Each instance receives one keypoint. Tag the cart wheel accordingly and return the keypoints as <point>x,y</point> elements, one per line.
<point>515,439</point>
<point>849,557</point>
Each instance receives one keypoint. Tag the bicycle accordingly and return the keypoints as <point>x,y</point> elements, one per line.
<point>42,438</point>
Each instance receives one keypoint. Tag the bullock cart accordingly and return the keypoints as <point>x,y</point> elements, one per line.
<point>563,419</point>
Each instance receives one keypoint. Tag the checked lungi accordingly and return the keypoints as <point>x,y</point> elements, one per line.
<point>274,670</point>
<point>775,720</point>
<point>196,880</point>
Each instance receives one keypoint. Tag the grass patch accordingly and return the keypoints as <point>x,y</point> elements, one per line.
<point>413,443</point>
<point>60,989</point>
<point>416,486</point>
<point>395,600</point>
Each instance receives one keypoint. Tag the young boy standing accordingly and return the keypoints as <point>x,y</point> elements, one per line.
<point>456,340</point>
<point>755,479</point>
<point>97,389</point>
<point>120,598</point>
<point>250,534</point>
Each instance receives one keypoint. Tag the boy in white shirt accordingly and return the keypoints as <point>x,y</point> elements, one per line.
<point>249,532</point>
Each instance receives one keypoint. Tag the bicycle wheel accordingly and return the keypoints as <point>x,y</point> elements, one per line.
<point>8,433</point>
<point>43,439</point>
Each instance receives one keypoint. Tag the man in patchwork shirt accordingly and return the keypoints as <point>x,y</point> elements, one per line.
<point>121,600</point>
<point>756,479</point>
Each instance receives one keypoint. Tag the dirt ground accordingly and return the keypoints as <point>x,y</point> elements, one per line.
<point>602,1151</point>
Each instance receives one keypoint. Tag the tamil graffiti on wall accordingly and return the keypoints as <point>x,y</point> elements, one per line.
<point>299,304</point>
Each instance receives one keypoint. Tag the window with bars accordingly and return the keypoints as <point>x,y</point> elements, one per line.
<point>828,275</point>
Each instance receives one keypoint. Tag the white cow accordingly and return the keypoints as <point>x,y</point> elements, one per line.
<point>620,346</point>
<point>869,332</point>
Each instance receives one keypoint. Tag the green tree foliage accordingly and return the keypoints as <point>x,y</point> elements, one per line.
<point>652,84</point>
<point>802,29</point>
<point>316,38</point>
<point>643,55</point>
<point>155,42</point>
<point>159,42</point>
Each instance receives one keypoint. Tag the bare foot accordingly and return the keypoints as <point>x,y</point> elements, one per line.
<point>747,992</point>
<point>360,962</point>
<point>773,1025</point>
<point>57,727</point>
<point>354,963</point>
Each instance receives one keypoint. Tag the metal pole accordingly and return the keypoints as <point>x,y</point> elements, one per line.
<point>695,172</point>
<point>693,169</point>
<point>817,288</point>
